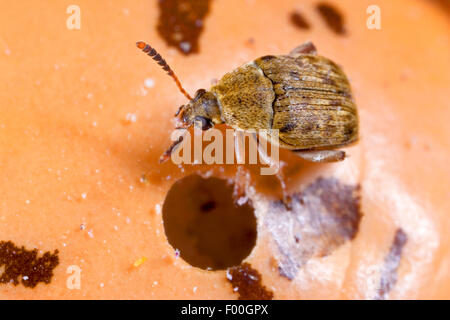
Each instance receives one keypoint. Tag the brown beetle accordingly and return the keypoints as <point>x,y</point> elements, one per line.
<point>305,96</point>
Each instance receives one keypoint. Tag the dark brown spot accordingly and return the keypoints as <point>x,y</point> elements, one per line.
<point>322,217</point>
<point>23,266</point>
<point>288,127</point>
<point>332,17</point>
<point>181,23</point>
<point>298,20</point>
<point>208,206</point>
<point>247,282</point>
<point>391,264</point>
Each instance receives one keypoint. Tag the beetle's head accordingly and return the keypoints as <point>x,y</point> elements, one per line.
<point>203,110</point>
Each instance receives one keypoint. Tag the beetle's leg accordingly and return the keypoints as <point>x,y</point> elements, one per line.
<point>305,48</point>
<point>173,147</point>
<point>242,177</point>
<point>264,157</point>
<point>239,147</point>
<point>321,155</point>
<point>275,165</point>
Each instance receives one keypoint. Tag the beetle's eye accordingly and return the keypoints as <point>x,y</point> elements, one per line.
<point>203,123</point>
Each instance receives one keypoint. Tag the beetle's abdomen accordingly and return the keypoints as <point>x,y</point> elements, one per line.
<point>246,96</point>
<point>313,105</point>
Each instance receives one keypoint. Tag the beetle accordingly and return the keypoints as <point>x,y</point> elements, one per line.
<point>305,96</point>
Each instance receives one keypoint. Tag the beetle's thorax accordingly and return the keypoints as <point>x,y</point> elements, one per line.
<point>204,105</point>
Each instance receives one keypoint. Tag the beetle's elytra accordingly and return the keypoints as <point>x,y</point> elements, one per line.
<point>305,96</point>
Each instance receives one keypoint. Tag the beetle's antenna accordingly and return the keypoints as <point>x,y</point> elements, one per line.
<point>157,57</point>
